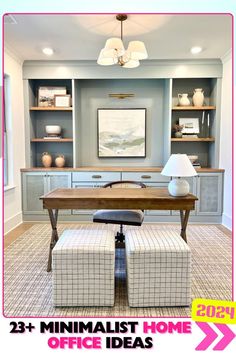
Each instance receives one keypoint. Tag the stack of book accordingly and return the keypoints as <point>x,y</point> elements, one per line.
<point>52,137</point>
<point>196,165</point>
<point>189,136</point>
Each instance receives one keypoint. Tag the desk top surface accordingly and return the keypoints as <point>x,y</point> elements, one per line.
<point>114,193</point>
<point>117,198</point>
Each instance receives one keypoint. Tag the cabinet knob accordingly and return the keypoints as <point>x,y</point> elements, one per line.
<point>96,176</point>
<point>145,176</point>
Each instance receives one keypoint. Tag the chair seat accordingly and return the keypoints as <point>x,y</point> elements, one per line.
<point>116,216</point>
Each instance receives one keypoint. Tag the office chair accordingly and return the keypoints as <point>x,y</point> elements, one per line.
<point>121,217</point>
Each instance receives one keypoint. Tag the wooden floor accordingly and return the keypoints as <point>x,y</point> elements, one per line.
<point>19,230</point>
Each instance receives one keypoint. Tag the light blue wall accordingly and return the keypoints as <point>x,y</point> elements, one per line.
<point>93,94</point>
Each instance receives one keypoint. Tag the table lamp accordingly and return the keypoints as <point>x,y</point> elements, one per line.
<point>178,166</point>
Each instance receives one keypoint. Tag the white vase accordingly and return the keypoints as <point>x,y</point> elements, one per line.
<point>198,97</point>
<point>60,161</point>
<point>183,99</point>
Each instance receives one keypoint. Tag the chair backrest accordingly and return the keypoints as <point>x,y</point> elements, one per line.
<point>124,184</point>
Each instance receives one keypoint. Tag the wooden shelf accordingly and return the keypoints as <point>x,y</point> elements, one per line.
<point>50,108</point>
<point>183,140</point>
<point>41,140</point>
<point>193,108</point>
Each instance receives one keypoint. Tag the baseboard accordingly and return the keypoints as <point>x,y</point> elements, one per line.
<point>12,222</point>
<point>227,221</point>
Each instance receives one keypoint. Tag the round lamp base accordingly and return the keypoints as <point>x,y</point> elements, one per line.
<point>178,187</point>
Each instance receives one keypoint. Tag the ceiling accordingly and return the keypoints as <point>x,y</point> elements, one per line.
<point>81,37</point>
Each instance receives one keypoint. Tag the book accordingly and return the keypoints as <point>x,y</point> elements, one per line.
<point>189,136</point>
<point>52,137</point>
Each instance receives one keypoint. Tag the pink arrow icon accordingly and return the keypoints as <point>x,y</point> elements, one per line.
<point>228,336</point>
<point>211,335</point>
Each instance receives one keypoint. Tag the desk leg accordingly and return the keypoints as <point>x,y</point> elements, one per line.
<point>184,221</point>
<point>53,215</point>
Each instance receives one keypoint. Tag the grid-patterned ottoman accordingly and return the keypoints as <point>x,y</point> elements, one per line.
<point>84,268</point>
<point>158,268</point>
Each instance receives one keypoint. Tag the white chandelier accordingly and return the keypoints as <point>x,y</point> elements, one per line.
<point>115,53</point>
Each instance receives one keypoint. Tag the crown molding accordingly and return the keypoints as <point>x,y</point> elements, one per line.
<point>93,63</point>
<point>227,56</point>
<point>153,69</point>
<point>13,54</point>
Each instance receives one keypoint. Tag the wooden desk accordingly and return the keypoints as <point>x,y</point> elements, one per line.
<point>114,198</point>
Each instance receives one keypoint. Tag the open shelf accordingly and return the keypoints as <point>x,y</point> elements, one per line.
<point>193,108</point>
<point>183,140</point>
<point>42,140</point>
<point>50,108</point>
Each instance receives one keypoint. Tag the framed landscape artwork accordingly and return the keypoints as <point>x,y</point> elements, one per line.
<point>122,132</point>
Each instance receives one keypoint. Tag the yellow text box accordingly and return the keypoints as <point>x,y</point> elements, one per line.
<point>217,311</point>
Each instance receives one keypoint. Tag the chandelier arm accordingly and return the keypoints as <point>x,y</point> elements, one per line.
<point>121,30</point>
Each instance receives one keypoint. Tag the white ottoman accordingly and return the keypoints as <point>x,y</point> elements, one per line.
<point>83,264</point>
<point>158,268</point>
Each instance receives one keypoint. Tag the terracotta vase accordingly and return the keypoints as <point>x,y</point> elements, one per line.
<point>60,161</point>
<point>46,159</point>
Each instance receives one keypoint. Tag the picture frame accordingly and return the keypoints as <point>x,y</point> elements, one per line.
<point>62,101</point>
<point>46,95</point>
<point>190,125</point>
<point>121,132</point>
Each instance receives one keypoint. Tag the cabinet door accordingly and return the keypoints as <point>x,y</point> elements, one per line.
<point>34,186</point>
<point>85,185</point>
<point>209,192</point>
<point>157,212</point>
<point>59,180</point>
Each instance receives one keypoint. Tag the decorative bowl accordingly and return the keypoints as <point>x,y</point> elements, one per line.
<point>53,129</point>
<point>193,158</point>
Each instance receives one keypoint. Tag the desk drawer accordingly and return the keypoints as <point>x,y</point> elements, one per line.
<point>144,177</point>
<point>96,176</point>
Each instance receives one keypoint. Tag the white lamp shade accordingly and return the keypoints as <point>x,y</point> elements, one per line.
<point>107,57</point>
<point>137,50</point>
<point>179,165</point>
<point>115,43</point>
<point>131,64</point>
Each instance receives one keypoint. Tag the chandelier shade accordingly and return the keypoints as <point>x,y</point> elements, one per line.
<point>115,53</point>
<point>131,64</point>
<point>115,44</point>
<point>137,50</point>
<point>107,57</point>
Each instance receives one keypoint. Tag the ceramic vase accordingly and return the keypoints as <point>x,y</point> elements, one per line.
<point>178,134</point>
<point>46,159</point>
<point>198,97</point>
<point>60,161</point>
<point>183,99</point>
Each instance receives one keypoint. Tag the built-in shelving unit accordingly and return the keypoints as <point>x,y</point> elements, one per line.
<point>207,139</point>
<point>51,108</point>
<point>62,140</point>
<point>79,122</point>
<point>193,108</point>
<point>39,117</point>
<point>196,140</point>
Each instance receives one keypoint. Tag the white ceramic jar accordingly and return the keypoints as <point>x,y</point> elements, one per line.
<point>198,97</point>
<point>183,99</point>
